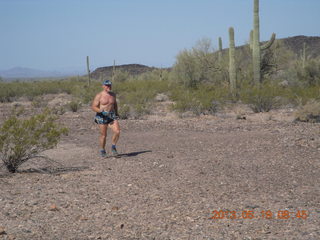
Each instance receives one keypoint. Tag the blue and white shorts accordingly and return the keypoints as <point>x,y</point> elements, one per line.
<point>106,118</point>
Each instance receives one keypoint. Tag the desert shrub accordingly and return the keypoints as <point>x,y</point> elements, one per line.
<point>262,98</point>
<point>300,95</point>
<point>84,92</point>
<point>310,112</point>
<point>124,111</point>
<point>10,91</point>
<point>138,94</point>
<point>121,76</point>
<point>205,99</point>
<point>38,102</point>
<point>139,110</point>
<point>195,66</point>
<point>74,105</point>
<point>60,110</point>
<point>310,73</point>
<point>7,92</point>
<point>154,76</point>
<point>23,139</point>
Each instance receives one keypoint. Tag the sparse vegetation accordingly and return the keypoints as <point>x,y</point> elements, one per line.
<point>74,105</point>
<point>23,139</point>
<point>198,82</point>
<point>310,112</point>
<point>262,98</point>
<point>11,91</point>
<point>206,99</point>
<point>137,94</point>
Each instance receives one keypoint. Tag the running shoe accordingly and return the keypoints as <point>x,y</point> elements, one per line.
<point>103,153</point>
<point>114,151</point>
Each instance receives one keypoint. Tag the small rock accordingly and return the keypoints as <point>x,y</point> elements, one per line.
<point>284,83</point>
<point>53,207</point>
<point>115,208</point>
<point>161,97</point>
<point>187,114</point>
<point>252,206</point>
<point>82,218</point>
<point>2,231</point>
<point>241,117</point>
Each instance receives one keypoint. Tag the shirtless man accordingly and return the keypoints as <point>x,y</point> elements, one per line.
<point>105,106</point>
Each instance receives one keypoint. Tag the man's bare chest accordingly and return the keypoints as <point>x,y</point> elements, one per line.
<point>107,99</point>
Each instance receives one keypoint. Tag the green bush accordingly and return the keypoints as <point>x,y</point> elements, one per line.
<point>121,76</point>
<point>23,139</point>
<point>310,112</point>
<point>10,91</point>
<point>38,102</point>
<point>262,98</point>
<point>196,66</point>
<point>300,95</point>
<point>124,111</point>
<point>74,105</point>
<point>137,95</point>
<point>309,74</point>
<point>205,99</point>
<point>84,92</point>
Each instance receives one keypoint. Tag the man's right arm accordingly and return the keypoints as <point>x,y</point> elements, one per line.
<point>96,103</point>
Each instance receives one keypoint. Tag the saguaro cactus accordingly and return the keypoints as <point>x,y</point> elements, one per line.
<point>220,50</point>
<point>256,48</point>
<point>88,70</point>
<point>232,61</point>
<point>113,70</point>
<point>303,55</point>
<point>251,39</point>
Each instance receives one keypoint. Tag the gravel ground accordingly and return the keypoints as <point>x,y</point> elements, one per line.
<point>173,180</point>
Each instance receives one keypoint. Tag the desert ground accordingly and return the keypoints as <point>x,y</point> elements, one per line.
<point>173,177</point>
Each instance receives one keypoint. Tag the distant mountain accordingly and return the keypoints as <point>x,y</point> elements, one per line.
<point>30,73</point>
<point>20,72</point>
<point>132,69</point>
<point>295,44</point>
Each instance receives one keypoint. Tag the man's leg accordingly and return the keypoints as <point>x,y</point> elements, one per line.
<point>115,127</point>
<point>103,135</point>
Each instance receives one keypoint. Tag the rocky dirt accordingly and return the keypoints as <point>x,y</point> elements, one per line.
<point>173,174</point>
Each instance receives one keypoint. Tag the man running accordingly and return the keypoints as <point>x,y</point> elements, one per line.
<point>105,106</point>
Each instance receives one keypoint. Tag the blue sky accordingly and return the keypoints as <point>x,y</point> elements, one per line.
<point>59,34</point>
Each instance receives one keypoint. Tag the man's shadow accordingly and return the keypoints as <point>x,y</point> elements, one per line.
<point>132,154</point>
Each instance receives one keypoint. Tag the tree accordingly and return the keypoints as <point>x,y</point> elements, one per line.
<point>196,65</point>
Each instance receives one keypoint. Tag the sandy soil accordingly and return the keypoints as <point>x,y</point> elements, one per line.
<point>173,174</point>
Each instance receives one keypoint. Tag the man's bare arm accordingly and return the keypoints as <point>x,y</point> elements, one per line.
<point>96,103</point>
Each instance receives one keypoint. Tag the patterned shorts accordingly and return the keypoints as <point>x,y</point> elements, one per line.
<point>105,119</point>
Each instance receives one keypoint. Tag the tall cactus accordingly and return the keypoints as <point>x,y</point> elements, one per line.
<point>88,70</point>
<point>251,39</point>
<point>303,55</point>
<point>232,61</point>
<point>220,50</point>
<point>113,70</point>
<point>256,48</point>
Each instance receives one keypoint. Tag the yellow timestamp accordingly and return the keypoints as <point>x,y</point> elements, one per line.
<point>264,214</point>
